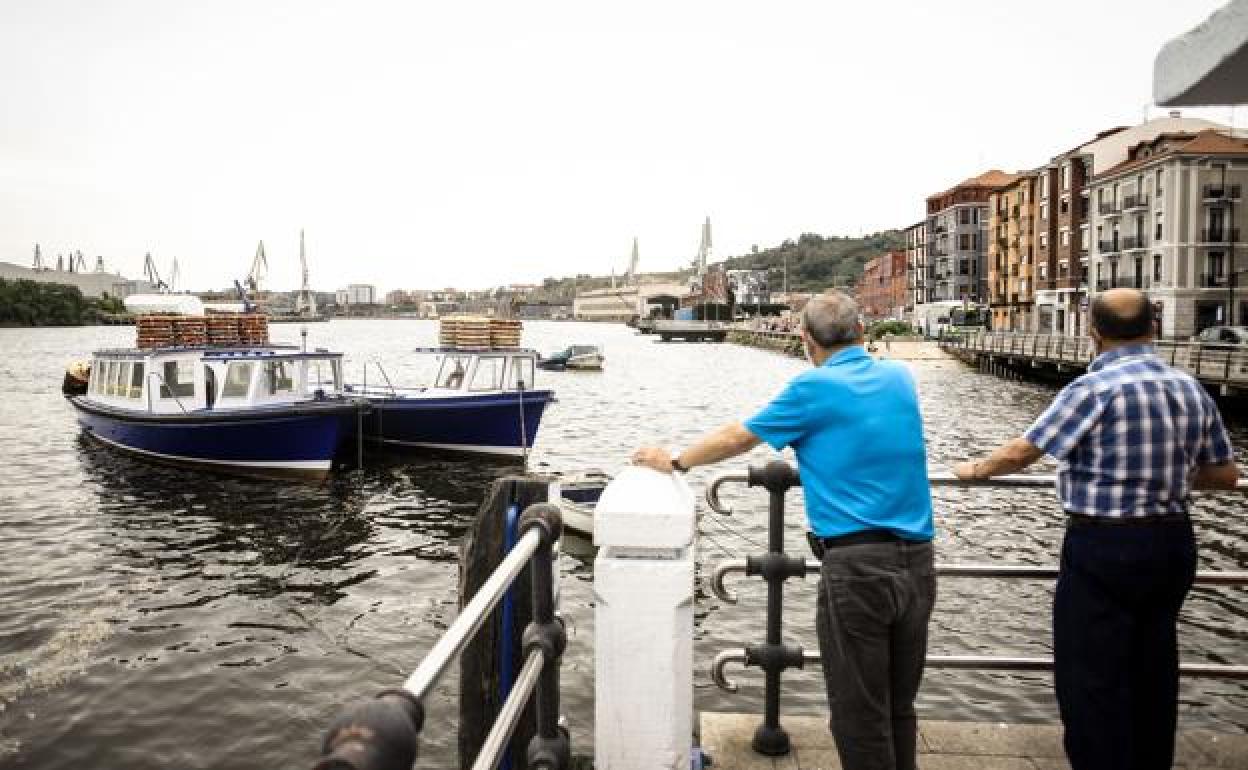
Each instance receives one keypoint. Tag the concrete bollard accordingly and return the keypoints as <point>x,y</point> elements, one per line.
<point>644,526</point>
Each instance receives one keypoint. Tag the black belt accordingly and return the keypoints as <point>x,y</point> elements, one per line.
<point>862,537</point>
<point>1084,520</point>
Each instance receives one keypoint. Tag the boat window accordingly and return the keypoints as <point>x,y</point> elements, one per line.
<point>123,379</point>
<point>522,372</point>
<point>489,374</point>
<point>110,378</point>
<point>179,379</point>
<point>98,373</point>
<point>279,377</point>
<point>452,373</point>
<point>322,375</point>
<point>237,380</point>
<point>136,379</point>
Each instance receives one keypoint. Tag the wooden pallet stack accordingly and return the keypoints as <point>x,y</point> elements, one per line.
<point>190,331</point>
<point>253,329</point>
<point>465,332</point>
<point>505,332</point>
<point>222,329</point>
<point>154,331</point>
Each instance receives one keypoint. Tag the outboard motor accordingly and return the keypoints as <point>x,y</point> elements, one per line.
<point>77,378</point>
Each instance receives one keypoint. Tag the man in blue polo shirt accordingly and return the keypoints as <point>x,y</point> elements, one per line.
<point>854,423</point>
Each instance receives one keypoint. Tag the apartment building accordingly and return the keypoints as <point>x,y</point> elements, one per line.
<point>1170,220</point>
<point>882,289</point>
<point>916,266</point>
<point>957,226</point>
<point>1011,253</point>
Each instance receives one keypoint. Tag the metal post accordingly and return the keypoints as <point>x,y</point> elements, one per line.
<point>774,656</point>
<point>549,748</point>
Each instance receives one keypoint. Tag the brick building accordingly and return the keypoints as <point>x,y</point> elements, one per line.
<point>883,289</point>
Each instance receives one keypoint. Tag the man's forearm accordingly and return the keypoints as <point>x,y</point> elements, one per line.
<point>1010,457</point>
<point>1216,476</point>
<point>720,444</point>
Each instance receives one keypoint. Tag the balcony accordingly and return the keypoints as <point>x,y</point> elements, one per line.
<point>1220,235</point>
<point>938,229</point>
<point>1211,280</point>
<point>1109,209</point>
<point>1217,193</point>
<point>1125,282</point>
<point>1132,202</point>
<point>1108,247</point>
<point>1134,243</point>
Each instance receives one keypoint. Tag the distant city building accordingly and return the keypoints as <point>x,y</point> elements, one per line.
<point>1011,253</point>
<point>356,294</point>
<point>1169,219</point>
<point>626,302</point>
<point>883,287</point>
<point>916,265</point>
<point>91,284</point>
<point>957,223</point>
<point>750,287</point>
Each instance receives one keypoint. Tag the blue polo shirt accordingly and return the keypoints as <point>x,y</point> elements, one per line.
<point>855,425</point>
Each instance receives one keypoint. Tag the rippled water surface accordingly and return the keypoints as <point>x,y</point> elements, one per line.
<point>153,617</point>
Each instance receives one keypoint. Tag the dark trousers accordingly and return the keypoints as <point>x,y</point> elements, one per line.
<point>1114,642</point>
<point>874,604</point>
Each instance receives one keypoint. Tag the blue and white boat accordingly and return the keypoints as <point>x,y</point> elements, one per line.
<point>481,402</point>
<point>264,410</point>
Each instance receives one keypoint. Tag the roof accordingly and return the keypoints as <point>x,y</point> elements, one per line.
<point>1207,142</point>
<point>991,179</point>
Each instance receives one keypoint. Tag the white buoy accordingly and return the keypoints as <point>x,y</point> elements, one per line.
<point>644,526</point>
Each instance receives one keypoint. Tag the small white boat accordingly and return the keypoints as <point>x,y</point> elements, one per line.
<point>577,496</point>
<point>580,357</point>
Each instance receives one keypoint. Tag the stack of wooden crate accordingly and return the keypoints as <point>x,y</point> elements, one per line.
<point>189,331</point>
<point>222,328</point>
<point>465,332</point>
<point>253,329</point>
<point>154,331</point>
<point>505,332</point>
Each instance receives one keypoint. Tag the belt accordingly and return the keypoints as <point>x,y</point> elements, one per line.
<point>862,537</point>
<point>1084,520</point>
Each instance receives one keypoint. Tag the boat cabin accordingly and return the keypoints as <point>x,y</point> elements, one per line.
<point>186,380</point>
<point>485,371</point>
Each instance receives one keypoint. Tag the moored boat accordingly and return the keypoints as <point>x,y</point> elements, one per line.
<point>261,410</point>
<point>481,402</point>
<point>579,357</point>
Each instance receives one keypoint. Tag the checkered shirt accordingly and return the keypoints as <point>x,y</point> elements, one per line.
<point>1128,435</point>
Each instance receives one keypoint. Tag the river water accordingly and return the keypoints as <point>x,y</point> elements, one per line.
<point>153,617</point>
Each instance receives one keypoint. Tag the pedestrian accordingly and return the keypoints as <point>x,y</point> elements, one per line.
<point>1132,437</point>
<point>854,423</point>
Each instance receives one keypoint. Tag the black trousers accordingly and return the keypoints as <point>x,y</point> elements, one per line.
<point>874,604</point>
<point>1115,643</point>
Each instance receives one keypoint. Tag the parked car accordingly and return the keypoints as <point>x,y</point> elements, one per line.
<point>1224,335</point>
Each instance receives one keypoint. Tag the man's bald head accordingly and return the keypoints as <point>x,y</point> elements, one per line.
<point>1119,315</point>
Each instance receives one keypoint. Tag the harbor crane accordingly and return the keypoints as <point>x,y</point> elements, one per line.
<point>259,268</point>
<point>153,277</point>
<point>631,274</point>
<point>305,301</point>
<point>38,265</point>
<point>174,274</point>
<point>99,264</point>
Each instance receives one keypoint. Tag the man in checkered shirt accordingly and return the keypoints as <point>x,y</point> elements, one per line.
<point>1132,438</point>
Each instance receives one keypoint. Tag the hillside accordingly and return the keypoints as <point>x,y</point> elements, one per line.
<point>817,262</point>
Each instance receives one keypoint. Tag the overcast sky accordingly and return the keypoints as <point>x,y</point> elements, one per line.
<point>427,144</point>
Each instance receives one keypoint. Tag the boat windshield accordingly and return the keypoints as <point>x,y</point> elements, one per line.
<point>452,372</point>
<point>324,375</point>
<point>583,350</point>
<point>521,372</point>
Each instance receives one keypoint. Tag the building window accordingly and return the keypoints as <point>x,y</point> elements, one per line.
<point>1083,237</point>
<point>1065,176</point>
<point>1044,240</point>
<point>1159,175</point>
<point>1157,234</point>
<point>1065,237</point>
<point>1044,211</point>
<point>1044,185</point>
<point>964,242</point>
<point>1156,267</point>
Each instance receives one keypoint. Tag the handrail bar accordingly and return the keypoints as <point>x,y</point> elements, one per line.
<point>473,616</point>
<point>936,479</point>
<point>509,715</point>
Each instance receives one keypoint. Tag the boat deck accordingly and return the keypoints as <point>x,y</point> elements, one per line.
<point>943,746</point>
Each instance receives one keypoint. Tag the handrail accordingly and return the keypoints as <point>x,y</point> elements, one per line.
<point>384,732</point>
<point>941,479</point>
<point>165,385</point>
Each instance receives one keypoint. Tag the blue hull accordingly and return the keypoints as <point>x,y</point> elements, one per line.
<point>485,424</point>
<point>298,441</point>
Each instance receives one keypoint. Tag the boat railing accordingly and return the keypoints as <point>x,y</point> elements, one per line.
<point>774,656</point>
<point>384,732</point>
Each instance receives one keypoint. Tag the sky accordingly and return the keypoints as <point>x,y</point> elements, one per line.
<point>477,144</point>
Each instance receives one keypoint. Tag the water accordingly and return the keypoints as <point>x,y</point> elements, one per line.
<point>156,617</point>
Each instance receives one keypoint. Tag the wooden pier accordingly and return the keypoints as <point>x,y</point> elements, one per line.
<point>943,746</point>
<point>1224,367</point>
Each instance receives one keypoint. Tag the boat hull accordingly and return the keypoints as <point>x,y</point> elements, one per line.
<point>301,441</point>
<point>475,424</point>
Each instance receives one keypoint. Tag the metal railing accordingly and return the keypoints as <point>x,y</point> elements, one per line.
<point>1221,364</point>
<point>775,567</point>
<point>384,732</point>
<point>1219,235</point>
<point>1217,192</point>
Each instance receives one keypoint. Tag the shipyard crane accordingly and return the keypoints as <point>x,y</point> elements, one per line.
<point>153,277</point>
<point>99,264</point>
<point>704,248</point>
<point>259,267</point>
<point>305,301</point>
<point>80,264</point>
<point>174,274</point>
<point>38,265</point>
<point>631,274</point>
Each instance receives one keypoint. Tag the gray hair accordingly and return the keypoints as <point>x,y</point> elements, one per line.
<point>831,319</point>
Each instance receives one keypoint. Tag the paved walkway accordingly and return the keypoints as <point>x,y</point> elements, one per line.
<point>943,746</point>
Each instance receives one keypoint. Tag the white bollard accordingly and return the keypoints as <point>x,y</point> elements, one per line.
<point>644,526</point>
